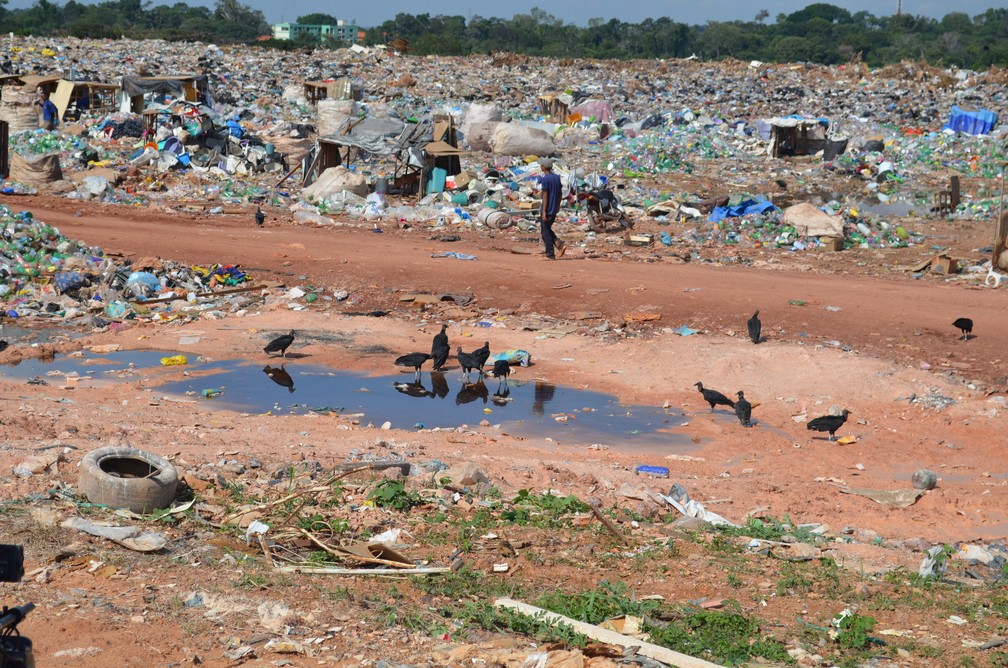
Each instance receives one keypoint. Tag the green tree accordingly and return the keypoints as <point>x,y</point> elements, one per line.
<point>317,18</point>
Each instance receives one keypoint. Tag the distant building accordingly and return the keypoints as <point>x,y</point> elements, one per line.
<point>342,31</point>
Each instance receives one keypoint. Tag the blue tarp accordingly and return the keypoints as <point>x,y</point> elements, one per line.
<point>743,208</point>
<point>973,122</point>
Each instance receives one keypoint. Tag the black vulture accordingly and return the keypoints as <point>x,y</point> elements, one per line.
<point>467,361</point>
<point>440,349</point>
<point>713,397</point>
<point>481,355</point>
<point>260,217</point>
<point>829,423</point>
<point>280,344</point>
<point>755,327</point>
<point>3,345</point>
<point>501,371</point>
<point>743,409</point>
<point>279,376</point>
<point>414,360</point>
<point>966,325</point>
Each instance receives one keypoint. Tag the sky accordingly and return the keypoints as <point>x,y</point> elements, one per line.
<point>690,12</point>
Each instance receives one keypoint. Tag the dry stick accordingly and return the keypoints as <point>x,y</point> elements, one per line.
<point>344,554</point>
<point>609,525</point>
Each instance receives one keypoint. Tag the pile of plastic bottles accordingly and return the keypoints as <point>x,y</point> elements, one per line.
<point>30,248</point>
<point>41,142</point>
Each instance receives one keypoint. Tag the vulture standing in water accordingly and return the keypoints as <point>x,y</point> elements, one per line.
<point>280,344</point>
<point>755,327</point>
<point>468,362</point>
<point>501,371</point>
<point>743,409</point>
<point>713,397</point>
<point>966,325</point>
<point>440,349</point>
<point>414,360</point>
<point>829,423</point>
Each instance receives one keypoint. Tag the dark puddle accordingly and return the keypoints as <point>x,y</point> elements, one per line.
<point>524,409</point>
<point>530,409</point>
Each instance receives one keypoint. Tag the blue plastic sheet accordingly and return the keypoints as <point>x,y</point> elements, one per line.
<point>743,208</point>
<point>972,121</point>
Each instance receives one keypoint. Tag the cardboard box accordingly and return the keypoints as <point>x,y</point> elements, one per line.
<point>833,244</point>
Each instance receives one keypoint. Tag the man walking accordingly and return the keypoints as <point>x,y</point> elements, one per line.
<point>551,195</point>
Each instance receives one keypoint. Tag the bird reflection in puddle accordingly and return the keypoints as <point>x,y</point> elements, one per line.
<point>414,389</point>
<point>279,376</point>
<point>470,392</point>
<point>439,384</point>
<point>502,397</point>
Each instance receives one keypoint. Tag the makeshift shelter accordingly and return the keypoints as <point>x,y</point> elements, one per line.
<point>85,95</point>
<point>189,87</point>
<point>971,121</point>
<point>335,89</point>
<point>794,135</point>
<point>31,82</point>
<point>419,148</point>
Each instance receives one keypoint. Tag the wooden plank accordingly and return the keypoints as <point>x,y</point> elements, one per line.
<point>229,291</point>
<point>647,649</point>
<point>332,570</point>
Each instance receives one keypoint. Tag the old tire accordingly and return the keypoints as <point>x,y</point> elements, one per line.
<point>127,478</point>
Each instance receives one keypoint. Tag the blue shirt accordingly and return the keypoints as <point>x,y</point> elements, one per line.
<point>552,192</point>
<point>49,111</point>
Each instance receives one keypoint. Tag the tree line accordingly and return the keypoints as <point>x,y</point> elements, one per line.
<point>820,33</point>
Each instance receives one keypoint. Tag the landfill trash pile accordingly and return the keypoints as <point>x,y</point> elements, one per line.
<point>45,275</point>
<point>250,138</point>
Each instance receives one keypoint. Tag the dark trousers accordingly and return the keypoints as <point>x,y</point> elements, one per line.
<point>548,237</point>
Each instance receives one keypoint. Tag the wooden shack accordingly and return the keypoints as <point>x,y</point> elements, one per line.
<point>100,97</point>
<point>189,87</point>
<point>332,89</point>
<point>553,106</point>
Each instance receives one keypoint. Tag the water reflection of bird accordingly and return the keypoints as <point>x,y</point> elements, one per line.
<point>542,395</point>
<point>414,389</point>
<point>755,327</point>
<point>743,409</point>
<point>966,325</point>
<point>470,392</point>
<point>828,423</point>
<point>279,376</point>
<point>713,397</point>
<point>501,371</point>
<point>481,355</point>
<point>502,397</point>
<point>439,384</point>
<point>467,362</point>
<point>280,344</point>
<point>414,360</point>
<point>439,348</point>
